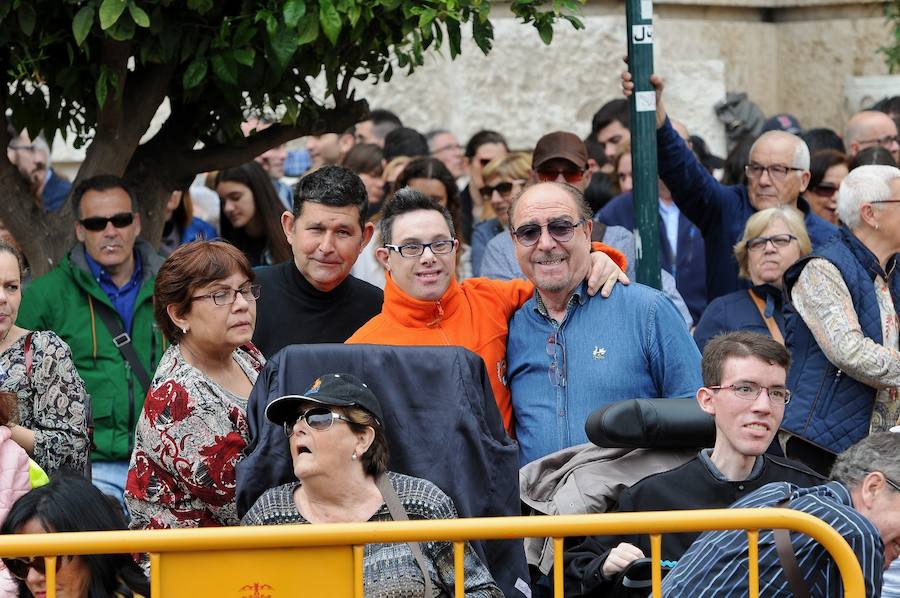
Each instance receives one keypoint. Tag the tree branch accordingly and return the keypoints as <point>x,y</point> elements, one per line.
<point>216,157</point>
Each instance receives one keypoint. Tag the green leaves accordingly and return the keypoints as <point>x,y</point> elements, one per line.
<point>82,23</point>
<point>141,18</point>
<point>27,18</point>
<point>330,20</point>
<point>293,11</point>
<point>194,74</point>
<point>110,11</point>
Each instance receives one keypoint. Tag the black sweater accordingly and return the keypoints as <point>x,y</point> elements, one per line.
<point>691,486</point>
<point>291,311</point>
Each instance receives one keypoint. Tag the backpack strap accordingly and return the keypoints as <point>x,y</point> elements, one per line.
<point>770,321</point>
<point>398,513</point>
<point>788,558</point>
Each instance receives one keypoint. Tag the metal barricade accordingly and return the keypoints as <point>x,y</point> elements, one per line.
<point>327,559</point>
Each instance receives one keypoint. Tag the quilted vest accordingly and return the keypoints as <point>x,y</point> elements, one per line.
<point>829,408</point>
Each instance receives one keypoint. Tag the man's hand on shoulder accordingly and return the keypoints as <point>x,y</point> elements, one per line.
<point>604,273</point>
<point>619,558</point>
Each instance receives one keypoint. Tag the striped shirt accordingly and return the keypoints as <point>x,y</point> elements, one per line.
<point>716,564</point>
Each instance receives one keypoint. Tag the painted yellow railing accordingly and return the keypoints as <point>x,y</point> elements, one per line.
<point>327,560</point>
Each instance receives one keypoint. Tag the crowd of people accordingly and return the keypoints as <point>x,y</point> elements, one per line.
<point>137,368</point>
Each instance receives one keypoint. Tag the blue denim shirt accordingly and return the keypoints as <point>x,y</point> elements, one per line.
<point>122,299</point>
<point>633,344</point>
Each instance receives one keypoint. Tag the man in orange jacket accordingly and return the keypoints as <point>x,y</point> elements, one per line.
<point>424,304</point>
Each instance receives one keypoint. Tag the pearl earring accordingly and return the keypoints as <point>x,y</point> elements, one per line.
<point>353,456</point>
<point>184,331</point>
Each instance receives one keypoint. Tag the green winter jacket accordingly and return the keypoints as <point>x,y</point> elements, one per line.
<point>63,300</point>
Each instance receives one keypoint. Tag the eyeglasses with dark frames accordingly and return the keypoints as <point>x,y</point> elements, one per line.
<point>750,391</point>
<point>98,223</point>
<point>442,247</point>
<point>20,566</point>
<point>825,190</point>
<point>777,172</point>
<point>573,177</point>
<point>886,141</point>
<point>228,296</point>
<point>317,418</point>
<point>777,241</point>
<point>561,230</point>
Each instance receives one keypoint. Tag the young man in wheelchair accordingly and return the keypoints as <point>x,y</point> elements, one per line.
<point>744,376</point>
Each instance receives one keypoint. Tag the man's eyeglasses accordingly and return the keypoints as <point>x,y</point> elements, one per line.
<point>20,566</point>
<point>557,370</point>
<point>560,230</point>
<point>777,241</point>
<point>891,483</point>
<point>441,247</point>
<point>504,188</point>
<point>229,296</point>
<point>886,201</point>
<point>886,141</point>
<point>750,391</point>
<point>317,418</point>
<point>573,177</point>
<point>446,148</point>
<point>777,172</point>
<point>98,223</point>
<point>825,190</point>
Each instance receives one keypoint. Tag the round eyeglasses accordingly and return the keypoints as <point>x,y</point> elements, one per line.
<point>560,230</point>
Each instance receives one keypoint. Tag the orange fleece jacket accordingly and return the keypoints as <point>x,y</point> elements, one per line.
<point>473,314</point>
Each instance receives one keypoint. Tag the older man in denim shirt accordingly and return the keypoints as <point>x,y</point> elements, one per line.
<point>568,354</point>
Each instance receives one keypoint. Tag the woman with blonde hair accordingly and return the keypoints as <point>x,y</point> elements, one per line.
<point>773,240</point>
<point>504,179</point>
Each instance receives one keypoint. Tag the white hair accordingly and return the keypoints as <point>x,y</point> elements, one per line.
<point>801,150</point>
<point>865,184</point>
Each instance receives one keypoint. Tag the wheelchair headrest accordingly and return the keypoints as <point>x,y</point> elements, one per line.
<point>651,423</point>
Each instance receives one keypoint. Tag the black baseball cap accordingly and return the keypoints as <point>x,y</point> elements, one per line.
<point>337,390</point>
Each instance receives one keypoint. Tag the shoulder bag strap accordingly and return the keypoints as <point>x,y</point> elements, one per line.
<point>398,513</point>
<point>788,558</point>
<point>770,321</point>
<point>29,357</point>
<point>122,341</point>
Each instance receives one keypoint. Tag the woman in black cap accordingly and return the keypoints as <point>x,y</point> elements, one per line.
<point>340,458</point>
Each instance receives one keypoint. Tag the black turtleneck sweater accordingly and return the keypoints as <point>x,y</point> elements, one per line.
<point>291,311</point>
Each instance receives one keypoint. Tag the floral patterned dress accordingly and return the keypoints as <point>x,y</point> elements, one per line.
<point>52,400</point>
<point>188,440</point>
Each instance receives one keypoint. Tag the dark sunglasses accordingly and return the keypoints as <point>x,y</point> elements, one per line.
<point>561,230</point>
<point>317,418</point>
<point>571,176</point>
<point>504,189</point>
<point>20,566</point>
<point>98,223</point>
<point>825,190</point>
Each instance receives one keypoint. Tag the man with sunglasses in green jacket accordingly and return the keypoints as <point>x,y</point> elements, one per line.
<point>99,299</point>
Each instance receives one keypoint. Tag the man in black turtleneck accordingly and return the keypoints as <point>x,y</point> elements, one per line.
<point>313,298</point>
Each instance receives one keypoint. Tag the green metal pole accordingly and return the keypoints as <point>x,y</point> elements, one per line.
<point>639,16</point>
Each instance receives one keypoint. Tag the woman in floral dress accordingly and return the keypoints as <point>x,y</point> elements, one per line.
<point>37,366</point>
<point>193,428</point>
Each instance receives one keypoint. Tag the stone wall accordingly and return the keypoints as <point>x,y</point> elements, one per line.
<point>812,58</point>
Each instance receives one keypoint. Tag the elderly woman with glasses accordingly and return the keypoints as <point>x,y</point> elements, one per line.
<point>340,456</point>
<point>193,428</point>
<point>773,240</point>
<point>843,329</point>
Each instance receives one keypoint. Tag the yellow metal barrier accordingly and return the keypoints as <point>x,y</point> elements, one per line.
<point>327,559</point>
